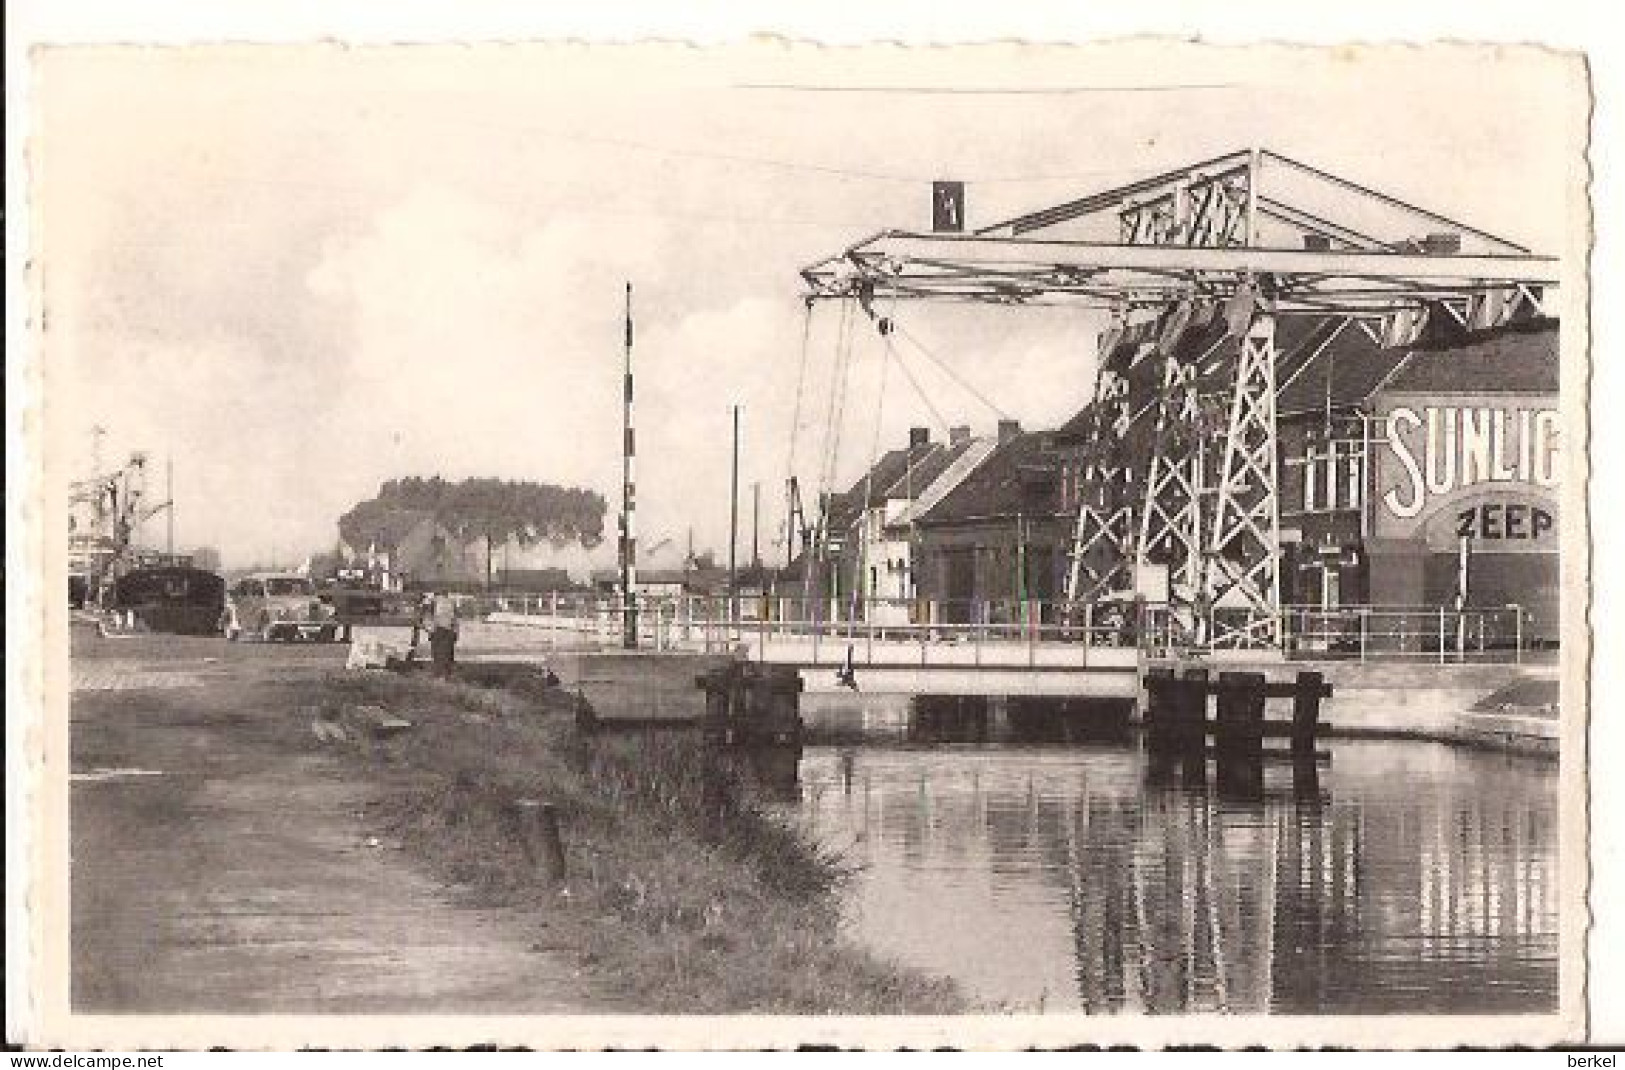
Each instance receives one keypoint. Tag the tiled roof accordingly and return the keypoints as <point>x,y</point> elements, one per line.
<point>1521,359</point>
<point>1340,367</point>
<point>1004,484</point>
<point>1514,360</point>
<point>923,472</point>
<point>893,469</point>
<point>965,458</point>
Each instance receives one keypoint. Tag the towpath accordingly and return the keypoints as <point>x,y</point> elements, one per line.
<point>223,862</point>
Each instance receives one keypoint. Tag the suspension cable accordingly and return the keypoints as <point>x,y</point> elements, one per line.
<point>841,339</point>
<point>793,536</point>
<point>948,371</point>
<point>835,415</point>
<point>919,391</point>
<point>801,384</point>
<point>868,493</point>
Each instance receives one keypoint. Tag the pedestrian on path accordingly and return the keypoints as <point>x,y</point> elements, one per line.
<point>442,632</point>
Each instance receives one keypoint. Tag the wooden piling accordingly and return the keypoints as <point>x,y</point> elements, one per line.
<point>748,705</point>
<point>1190,711</point>
<point>1240,775</point>
<point>1240,728</point>
<point>1310,688</point>
<point>1176,714</point>
<point>1305,778</point>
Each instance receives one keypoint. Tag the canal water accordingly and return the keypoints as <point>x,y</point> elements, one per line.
<point>1400,877</point>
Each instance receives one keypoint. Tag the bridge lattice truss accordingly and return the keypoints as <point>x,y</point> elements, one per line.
<point>1233,243</point>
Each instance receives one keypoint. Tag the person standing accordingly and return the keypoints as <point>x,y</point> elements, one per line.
<point>442,632</point>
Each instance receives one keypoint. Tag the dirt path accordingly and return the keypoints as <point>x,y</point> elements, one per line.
<point>222,862</point>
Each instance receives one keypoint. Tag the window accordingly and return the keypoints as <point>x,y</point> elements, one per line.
<point>1333,474</point>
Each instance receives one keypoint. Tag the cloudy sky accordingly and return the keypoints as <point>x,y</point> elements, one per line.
<point>299,272</point>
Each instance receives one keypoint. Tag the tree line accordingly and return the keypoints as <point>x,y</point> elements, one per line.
<point>496,510</point>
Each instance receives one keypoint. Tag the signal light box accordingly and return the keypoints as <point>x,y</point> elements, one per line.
<point>948,207</point>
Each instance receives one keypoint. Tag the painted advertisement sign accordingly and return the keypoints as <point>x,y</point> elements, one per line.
<point>1485,468</point>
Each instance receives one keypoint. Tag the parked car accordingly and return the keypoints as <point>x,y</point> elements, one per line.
<point>274,606</point>
<point>354,602</point>
<point>183,601</point>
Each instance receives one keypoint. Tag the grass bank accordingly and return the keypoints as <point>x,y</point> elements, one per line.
<point>682,895</point>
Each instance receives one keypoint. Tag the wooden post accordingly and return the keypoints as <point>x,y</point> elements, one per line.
<point>586,716</point>
<point>539,835</point>
<point>714,803</point>
<point>1311,687</point>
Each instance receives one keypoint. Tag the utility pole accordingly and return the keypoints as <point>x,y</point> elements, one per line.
<point>629,551</point>
<point>756,525</point>
<point>169,513</point>
<point>733,525</point>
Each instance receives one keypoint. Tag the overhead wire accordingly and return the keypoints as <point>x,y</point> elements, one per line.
<point>610,141</point>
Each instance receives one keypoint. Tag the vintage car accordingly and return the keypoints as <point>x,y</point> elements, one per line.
<point>182,601</point>
<point>273,606</point>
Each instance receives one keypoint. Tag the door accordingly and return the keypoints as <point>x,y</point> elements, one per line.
<point>959,590</point>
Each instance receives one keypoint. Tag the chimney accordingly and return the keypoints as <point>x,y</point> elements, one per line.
<point>957,435</point>
<point>919,436</point>
<point>1317,243</point>
<point>1442,243</point>
<point>1008,429</point>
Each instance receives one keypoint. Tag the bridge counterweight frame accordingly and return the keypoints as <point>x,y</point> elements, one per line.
<point>1190,239</point>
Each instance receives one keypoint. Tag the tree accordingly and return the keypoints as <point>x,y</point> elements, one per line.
<point>495,510</point>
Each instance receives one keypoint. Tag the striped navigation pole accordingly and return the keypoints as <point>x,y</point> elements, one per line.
<point>629,544</point>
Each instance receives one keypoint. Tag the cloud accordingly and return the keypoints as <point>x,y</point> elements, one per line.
<point>463,338</point>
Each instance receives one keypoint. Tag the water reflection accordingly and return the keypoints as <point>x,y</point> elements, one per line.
<point>1404,877</point>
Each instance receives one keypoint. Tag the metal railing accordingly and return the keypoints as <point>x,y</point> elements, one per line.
<point>1418,633</point>
<point>998,630</point>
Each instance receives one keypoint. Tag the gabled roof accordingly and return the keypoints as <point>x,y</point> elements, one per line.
<point>895,468</point>
<point>919,476</point>
<point>1520,359</point>
<point>1337,368</point>
<point>1517,359</point>
<point>999,486</point>
<point>963,459</point>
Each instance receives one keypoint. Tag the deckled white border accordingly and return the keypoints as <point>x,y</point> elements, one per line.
<point>1558,24</point>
